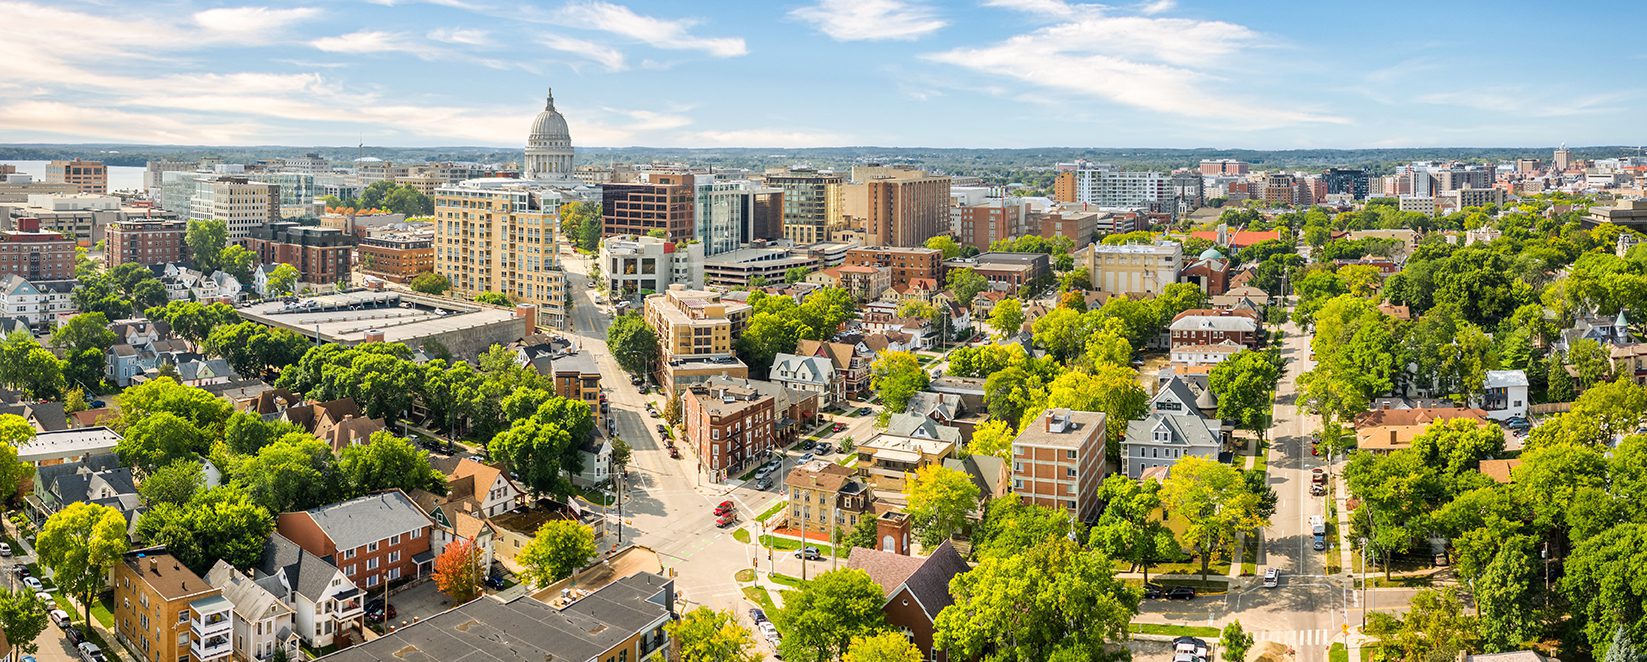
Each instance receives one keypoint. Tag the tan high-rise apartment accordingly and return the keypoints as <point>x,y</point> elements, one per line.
<point>905,208</point>
<point>493,236</point>
<point>661,201</point>
<point>1134,270</point>
<point>165,612</point>
<point>1058,461</point>
<point>695,330</point>
<point>811,202</point>
<point>240,203</point>
<point>87,176</point>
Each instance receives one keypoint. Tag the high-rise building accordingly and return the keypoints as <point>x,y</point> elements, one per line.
<point>1101,185</point>
<point>1346,181</point>
<point>237,201</point>
<point>696,330</point>
<point>812,202</point>
<point>498,235</point>
<point>146,242</point>
<point>320,255</point>
<point>87,176</point>
<point>154,172</point>
<point>992,220</point>
<point>730,213</point>
<point>1058,461</point>
<point>660,201</point>
<point>1563,158</point>
<point>905,208</point>
<point>35,255</point>
<point>549,145</point>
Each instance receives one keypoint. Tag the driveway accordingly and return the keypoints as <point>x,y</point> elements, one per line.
<point>418,603</point>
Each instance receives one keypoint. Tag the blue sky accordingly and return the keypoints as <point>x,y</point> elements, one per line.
<point>774,73</point>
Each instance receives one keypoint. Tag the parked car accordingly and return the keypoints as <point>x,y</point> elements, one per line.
<point>495,582</point>
<point>1154,591</point>
<point>44,597</point>
<point>60,618</point>
<point>20,570</point>
<point>805,458</point>
<point>1181,593</point>
<point>74,635</point>
<point>1272,578</point>
<point>763,483</point>
<point>90,652</point>
<point>5,549</point>
<point>824,449</point>
<point>757,615</point>
<point>375,611</point>
<point>837,427</point>
<point>809,553</point>
<point>769,631</point>
<point>33,584</point>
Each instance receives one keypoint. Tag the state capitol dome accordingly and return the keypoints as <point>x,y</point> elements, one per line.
<point>549,145</point>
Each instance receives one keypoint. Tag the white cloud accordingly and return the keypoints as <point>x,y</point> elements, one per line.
<point>53,118</point>
<point>1158,7</point>
<point>869,20</point>
<point>656,32</point>
<point>462,36</point>
<point>605,55</point>
<point>1046,7</point>
<point>1162,65</point>
<point>366,41</point>
<point>250,23</point>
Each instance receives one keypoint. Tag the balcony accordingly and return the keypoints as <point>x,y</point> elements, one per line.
<point>211,618</point>
<point>216,647</point>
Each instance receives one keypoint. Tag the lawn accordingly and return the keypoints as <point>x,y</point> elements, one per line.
<point>1338,653</point>
<point>1212,586</point>
<point>786,580</point>
<point>760,597</point>
<point>741,535</point>
<point>775,509</point>
<point>1261,463</point>
<point>1174,630</point>
<point>791,544</point>
<point>744,575</point>
<point>1403,581</point>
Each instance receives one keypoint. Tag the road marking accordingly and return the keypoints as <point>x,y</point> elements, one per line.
<point>1316,637</point>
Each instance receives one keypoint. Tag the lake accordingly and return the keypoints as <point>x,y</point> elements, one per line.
<point>120,177</point>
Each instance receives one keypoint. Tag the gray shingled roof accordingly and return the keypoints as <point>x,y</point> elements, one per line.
<point>307,574</point>
<point>370,518</point>
<point>1188,430</point>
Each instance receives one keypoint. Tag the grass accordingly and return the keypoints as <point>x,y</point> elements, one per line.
<point>760,597</point>
<point>103,610</point>
<point>791,544</point>
<point>750,473</point>
<point>775,509</point>
<point>1338,653</point>
<point>786,580</point>
<point>1403,581</point>
<point>1173,630</point>
<point>741,535</point>
<point>1261,462</point>
<point>1212,586</point>
<point>744,575</point>
<point>1370,653</point>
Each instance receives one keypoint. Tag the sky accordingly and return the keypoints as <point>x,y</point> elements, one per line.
<point>818,73</point>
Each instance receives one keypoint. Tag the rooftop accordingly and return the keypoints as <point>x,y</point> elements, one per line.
<point>62,444</point>
<point>1062,428</point>
<point>165,574</point>
<point>369,518</point>
<point>347,317</point>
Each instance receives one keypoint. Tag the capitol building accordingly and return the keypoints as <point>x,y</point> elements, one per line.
<point>549,145</point>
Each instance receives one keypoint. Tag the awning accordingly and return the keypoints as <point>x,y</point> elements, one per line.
<point>423,558</point>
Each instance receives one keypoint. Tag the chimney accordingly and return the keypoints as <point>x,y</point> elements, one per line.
<point>154,565</point>
<point>372,335</point>
<point>529,313</point>
<point>892,532</point>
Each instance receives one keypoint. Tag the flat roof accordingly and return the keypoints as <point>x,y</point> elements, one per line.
<point>63,444</point>
<point>346,317</point>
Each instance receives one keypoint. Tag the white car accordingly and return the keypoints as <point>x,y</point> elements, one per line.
<point>60,618</point>
<point>33,584</point>
<point>5,549</point>
<point>1272,578</point>
<point>769,631</point>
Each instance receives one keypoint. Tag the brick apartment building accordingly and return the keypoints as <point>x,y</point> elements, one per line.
<point>985,223</point>
<point>907,264</point>
<point>36,255</point>
<point>906,210</point>
<point>662,202</point>
<point>147,242</point>
<point>320,255</point>
<point>1080,226</point>
<point>397,256</point>
<point>374,539</point>
<point>731,425</point>
<point>166,612</point>
<point>1006,272</point>
<point>1058,461</point>
<point>1203,326</point>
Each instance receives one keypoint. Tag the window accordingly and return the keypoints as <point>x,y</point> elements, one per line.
<point>394,539</point>
<point>1070,454</point>
<point>371,564</point>
<point>394,556</point>
<point>371,580</point>
<point>371,547</point>
<point>348,554</point>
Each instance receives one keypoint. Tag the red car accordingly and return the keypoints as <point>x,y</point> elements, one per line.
<point>726,520</point>
<point>837,427</point>
<point>724,508</point>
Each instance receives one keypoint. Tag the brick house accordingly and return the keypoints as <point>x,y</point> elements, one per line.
<point>732,425</point>
<point>916,589</point>
<point>377,538</point>
<point>1204,326</point>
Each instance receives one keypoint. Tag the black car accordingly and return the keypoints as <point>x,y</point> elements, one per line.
<point>494,582</point>
<point>756,615</point>
<point>1181,593</point>
<point>74,635</point>
<point>375,611</point>
<point>20,570</point>
<point>1153,591</point>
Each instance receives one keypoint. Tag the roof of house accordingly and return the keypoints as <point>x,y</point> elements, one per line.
<point>305,573</point>
<point>809,369</point>
<point>67,443</point>
<point>1420,416</point>
<point>1214,323</point>
<point>919,426</point>
<point>1502,471</point>
<point>820,474</point>
<point>45,416</point>
<point>927,403</point>
<point>1505,379</point>
<point>986,471</point>
<point>1186,430</point>
<point>370,518</point>
<point>488,629</point>
<point>1083,427</point>
<point>74,481</point>
<point>164,573</point>
<point>927,579</point>
<point>483,476</point>
<point>252,601</point>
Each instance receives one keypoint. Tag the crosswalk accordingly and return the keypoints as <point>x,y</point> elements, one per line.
<point>1317,637</point>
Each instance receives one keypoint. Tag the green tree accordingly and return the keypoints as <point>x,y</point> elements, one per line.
<point>81,543</point>
<point>1007,318</point>
<point>1011,526</point>
<point>992,437</point>
<point>1013,394</point>
<point>862,534</point>
<point>430,282</point>
<point>984,360</point>
<point>767,335</point>
<point>193,320</point>
<point>1111,389</point>
<point>295,472</point>
<point>1130,528</point>
<point>282,281</point>
<point>1054,601</point>
<point>796,274</point>
<point>206,240</point>
<point>1217,503</point>
<point>1235,641</point>
<point>84,331</point>
<point>558,549</point>
<point>387,461</point>
<point>246,433</point>
<point>14,432</point>
<point>965,284</point>
<point>939,501</point>
<point>1505,600</point>
<point>238,261</point>
<point>820,618</point>
<point>161,439</point>
<point>896,377</point>
<point>581,223</point>
<point>945,243</point>
<point>1245,386</point>
<point>252,348</point>
<point>1435,628</point>
<point>409,201</point>
<point>219,523</point>
<point>173,483</point>
<point>494,298</point>
<point>633,343</point>
<point>543,449</point>
<point>883,647</point>
<point>708,635</point>
<point>22,618</point>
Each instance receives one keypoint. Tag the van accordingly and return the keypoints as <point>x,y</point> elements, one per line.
<point>1318,526</point>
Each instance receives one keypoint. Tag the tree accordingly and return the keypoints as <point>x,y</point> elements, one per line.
<point>767,335</point>
<point>457,571</point>
<point>796,274</point>
<point>940,499</point>
<point>581,223</point>
<point>984,360</point>
<point>238,261</point>
<point>1505,600</point>
<point>1112,389</point>
<point>965,284</point>
<point>1056,600</point>
<point>193,320</point>
<point>430,282</point>
<point>173,483</point>
<point>992,437</point>
<point>543,448</point>
<point>219,523</point>
<point>633,343</point>
<point>896,377</point>
<point>622,452</point>
<point>558,549</point>
<point>883,647</point>
<point>1011,526</point>
<point>14,432</point>
<point>409,201</point>
<point>206,239</point>
<point>160,439</point>
<point>388,462</point>
<point>84,331</point>
<point>494,298</point>
<point>81,543</point>
<point>295,472</point>
<point>1130,528</point>
<point>820,618</point>
<point>863,534</point>
<point>1217,503</point>
<point>708,635</point>
<point>1435,628</point>
<point>1013,394</point>
<point>945,243</point>
<point>1245,386</point>
<point>246,433</point>
<point>1235,641</point>
<point>283,280</point>
<point>252,348</point>
<point>1007,318</point>
<point>22,618</point>
<point>1606,581</point>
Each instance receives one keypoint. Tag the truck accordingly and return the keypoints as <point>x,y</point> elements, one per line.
<point>1318,527</point>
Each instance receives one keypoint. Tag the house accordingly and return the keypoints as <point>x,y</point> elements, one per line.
<point>1502,471</point>
<point>916,589</point>
<point>824,495</point>
<point>1400,312</point>
<point>1210,272</point>
<point>1505,395</point>
<point>920,427</point>
<point>375,539</point>
<point>1058,461</point>
<point>76,444</point>
<point>623,620</point>
<point>166,612</point>
<point>42,416</point>
<point>1160,440</point>
<point>488,485</point>
<point>340,423</point>
<point>887,460</point>
<point>1210,327</point>
<point>263,622</point>
<point>988,472</point>
<point>97,479</point>
<point>865,282</point>
<point>1387,430</point>
<point>851,362</point>
<point>327,607</point>
<point>596,455</point>
<point>457,519</point>
<point>1614,331</point>
<point>815,374</point>
<point>1212,354</point>
<point>942,408</point>
<point>143,348</point>
<point>186,284</point>
<point>39,303</point>
<point>1631,361</point>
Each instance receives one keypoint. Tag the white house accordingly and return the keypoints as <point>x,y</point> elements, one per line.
<point>324,601</point>
<point>186,284</point>
<point>1505,395</point>
<point>263,623</point>
<point>36,302</point>
<point>1173,429</point>
<point>814,374</point>
<point>1199,355</point>
<point>597,461</point>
